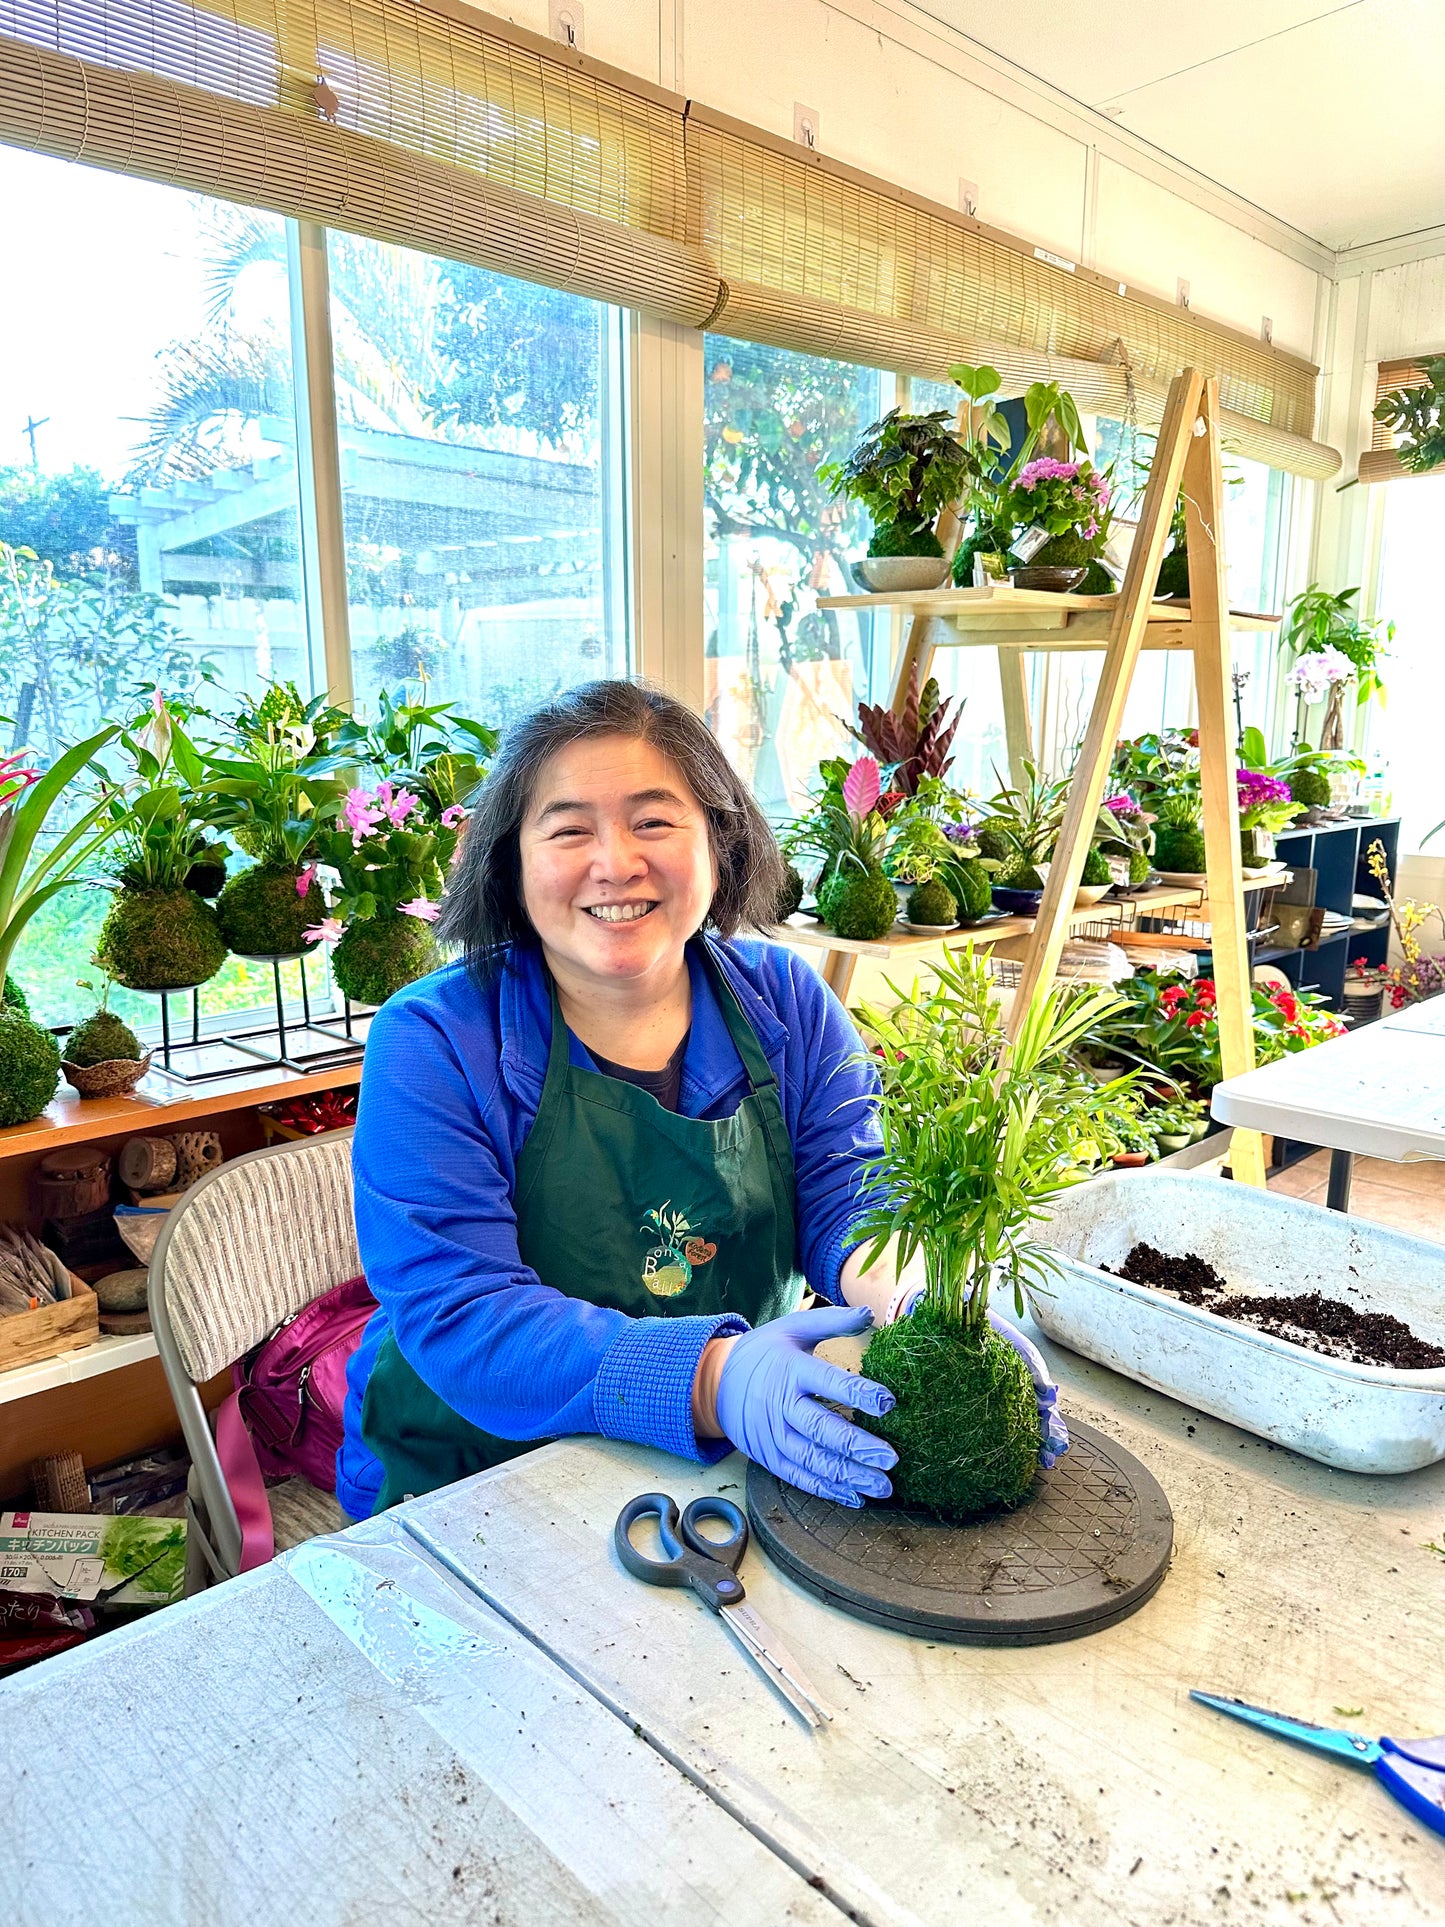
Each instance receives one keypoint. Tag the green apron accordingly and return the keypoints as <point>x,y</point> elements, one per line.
<point>624,1204</point>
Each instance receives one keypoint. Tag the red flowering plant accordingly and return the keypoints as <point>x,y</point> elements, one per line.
<point>1170,1024</point>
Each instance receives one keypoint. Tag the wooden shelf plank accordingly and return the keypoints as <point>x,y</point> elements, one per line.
<point>1001,614</point>
<point>107,1354</point>
<point>159,1105</point>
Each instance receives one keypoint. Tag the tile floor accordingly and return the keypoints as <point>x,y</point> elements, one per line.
<point>1410,1197</point>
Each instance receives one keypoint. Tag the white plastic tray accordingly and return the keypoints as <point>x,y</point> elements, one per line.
<point>1362,1418</point>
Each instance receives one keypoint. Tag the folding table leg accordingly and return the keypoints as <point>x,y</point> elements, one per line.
<point>1342,1170</point>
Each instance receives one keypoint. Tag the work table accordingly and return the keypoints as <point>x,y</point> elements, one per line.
<point>656,1777</point>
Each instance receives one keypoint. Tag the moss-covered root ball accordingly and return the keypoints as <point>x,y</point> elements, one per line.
<point>932,903</point>
<point>1311,788</point>
<point>864,906</point>
<point>160,940</point>
<point>14,997</point>
<point>102,1038</point>
<point>966,1426</point>
<point>1179,847</point>
<point>29,1068</point>
<point>1096,868</point>
<point>792,893</point>
<point>261,915</point>
<point>381,955</point>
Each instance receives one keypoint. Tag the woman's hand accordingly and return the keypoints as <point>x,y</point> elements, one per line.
<point>762,1390</point>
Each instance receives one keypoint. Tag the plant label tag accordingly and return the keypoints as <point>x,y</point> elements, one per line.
<point>1027,545</point>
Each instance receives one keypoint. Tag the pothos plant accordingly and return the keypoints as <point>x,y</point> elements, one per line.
<point>977,1138</point>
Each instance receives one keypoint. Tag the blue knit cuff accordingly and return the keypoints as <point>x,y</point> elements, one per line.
<point>643,1388</point>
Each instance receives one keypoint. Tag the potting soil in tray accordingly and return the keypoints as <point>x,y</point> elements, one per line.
<point>1325,1325</point>
<point>1086,1548</point>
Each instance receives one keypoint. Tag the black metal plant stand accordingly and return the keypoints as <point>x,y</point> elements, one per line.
<point>278,1045</point>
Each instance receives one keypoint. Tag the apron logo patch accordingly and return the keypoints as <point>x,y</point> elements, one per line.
<point>668,1267</point>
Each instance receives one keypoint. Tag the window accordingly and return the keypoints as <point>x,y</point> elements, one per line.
<point>783,677</point>
<point>1407,730</point>
<point>147,458</point>
<point>479,426</point>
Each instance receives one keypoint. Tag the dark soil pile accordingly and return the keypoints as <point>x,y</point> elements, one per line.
<point>1320,1324</point>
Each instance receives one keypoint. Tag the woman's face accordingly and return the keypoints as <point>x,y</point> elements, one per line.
<point>617,869</point>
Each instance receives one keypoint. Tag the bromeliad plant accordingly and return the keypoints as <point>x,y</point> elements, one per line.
<point>849,831</point>
<point>978,1139</point>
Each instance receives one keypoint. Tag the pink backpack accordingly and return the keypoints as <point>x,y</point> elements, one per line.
<point>284,1418</point>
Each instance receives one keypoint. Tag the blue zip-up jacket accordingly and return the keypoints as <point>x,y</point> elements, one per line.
<point>453,1078</point>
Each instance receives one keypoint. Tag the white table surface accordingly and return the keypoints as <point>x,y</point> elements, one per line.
<point>1074,1783</point>
<point>554,1742</point>
<point>396,1754</point>
<point>1379,1091</point>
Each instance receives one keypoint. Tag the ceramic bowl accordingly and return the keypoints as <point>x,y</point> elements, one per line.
<point>1057,581</point>
<point>1017,903</point>
<point>1089,893</point>
<point>898,574</point>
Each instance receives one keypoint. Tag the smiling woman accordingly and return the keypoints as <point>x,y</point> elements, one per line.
<point>598,1160</point>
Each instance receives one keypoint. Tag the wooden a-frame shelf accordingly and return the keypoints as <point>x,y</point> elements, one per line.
<point>1003,617</point>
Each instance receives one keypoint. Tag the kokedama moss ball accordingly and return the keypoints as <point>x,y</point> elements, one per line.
<point>966,1426</point>
<point>1096,869</point>
<point>894,538</point>
<point>1066,551</point>
<point>29,1068</point>
<point>1140,863</point>
<point>792,893</point>
<point>1097,580</point>
<point>993,843</point>
<point>1174,574</point>
<point>975,885</point>
<point>932,903</point>
<point>261,915</point>
<point>381,955</point>
<point>1179,847</point>
<point>100,1039</point>
<point>863,905</point>
<point>14,997</point>
<point>1310,787</point>
<point>1019,874</point>
<point>160,940</point>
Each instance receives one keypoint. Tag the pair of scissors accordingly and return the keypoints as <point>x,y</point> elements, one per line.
<point>708,1567</point>
<point>1412,1770</point>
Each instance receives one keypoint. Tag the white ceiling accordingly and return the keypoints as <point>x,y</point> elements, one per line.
<point>1325,113</point>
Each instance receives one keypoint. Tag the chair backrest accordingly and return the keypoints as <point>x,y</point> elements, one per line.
<point>250,1245</point>
<point>247,1247</point>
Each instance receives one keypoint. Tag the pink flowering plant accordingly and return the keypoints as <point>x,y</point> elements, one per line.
<point>1265,802</point>
<point>1063,498</point>
<point>388,859</point>
<point>428,751</point>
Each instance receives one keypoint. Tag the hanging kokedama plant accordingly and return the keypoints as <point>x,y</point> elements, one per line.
<point>977,1139</point>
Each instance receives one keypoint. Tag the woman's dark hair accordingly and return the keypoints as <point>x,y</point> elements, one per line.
<point>483,909</point>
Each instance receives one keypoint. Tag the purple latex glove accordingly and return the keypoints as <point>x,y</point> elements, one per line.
<point>1056,1434</point>
<point>768,1404</point>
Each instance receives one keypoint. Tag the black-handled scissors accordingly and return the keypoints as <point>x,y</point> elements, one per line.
<point>709,1568</point>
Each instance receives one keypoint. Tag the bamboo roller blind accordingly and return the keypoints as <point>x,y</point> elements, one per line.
<point>1379,462</point>
<point>425,123</point>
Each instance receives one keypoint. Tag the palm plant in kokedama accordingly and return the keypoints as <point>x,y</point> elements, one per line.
<point>906,470</point>
<point>157,934</point>
<point>978,1138</point>
<point>1020,828</point>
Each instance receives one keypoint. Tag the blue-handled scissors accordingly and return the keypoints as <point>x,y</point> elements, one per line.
<point>708,1567</point>
<point>1412,1770</point>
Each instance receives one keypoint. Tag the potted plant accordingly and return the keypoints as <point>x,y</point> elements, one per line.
<point>995,465</point>
<point>29,1055</point>
<point>849,831</point>
<point>1067,502</point>
<point>1265,807</point>
<point>1017,836</point>
<point>905,471</point>
<point>1135,1143</point>
<point>1317,621</point>
<point>441,757</point>
<point>978,1137</point>
<point>391,868</point>
<point>932,860</point>
<point>273,798</point>
<point>157,934</point>
<point>1417,414</point>
<point>103,1055</point>
<point>914,746</point>
<point>1095,880</point>
<point>1172,1125</point>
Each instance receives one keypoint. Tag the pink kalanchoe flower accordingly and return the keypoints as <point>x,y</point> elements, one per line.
<point>305,879</point>
<point>1047,469</point>
<point>452,815</point>
<point>329,930</point>
<point>1122,805</point>
<point>399,807</point>
<point>420,908</point>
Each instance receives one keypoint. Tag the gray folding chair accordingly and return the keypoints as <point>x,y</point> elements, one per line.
<point>247,1247</point>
